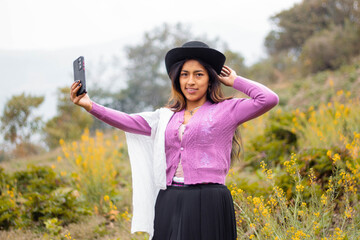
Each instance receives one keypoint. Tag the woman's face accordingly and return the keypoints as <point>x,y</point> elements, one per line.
<point>194,82</point>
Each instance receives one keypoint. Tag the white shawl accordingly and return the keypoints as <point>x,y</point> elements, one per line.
<point>148,167</point>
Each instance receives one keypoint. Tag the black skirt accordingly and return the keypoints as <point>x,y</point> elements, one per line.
<point>195,212</point>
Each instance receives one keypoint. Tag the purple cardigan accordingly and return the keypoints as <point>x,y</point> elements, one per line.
<point>205,149</point>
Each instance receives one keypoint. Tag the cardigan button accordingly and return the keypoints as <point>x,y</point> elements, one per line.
<point>181,148</point>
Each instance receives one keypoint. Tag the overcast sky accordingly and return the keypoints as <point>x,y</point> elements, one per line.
<point>56,27</point>
<point>53,24</point>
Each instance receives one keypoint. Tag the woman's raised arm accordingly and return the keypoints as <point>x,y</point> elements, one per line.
<point>261,100</point>
<point>127,122</point>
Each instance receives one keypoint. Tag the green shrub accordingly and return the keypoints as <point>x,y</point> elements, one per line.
<point>277,142</point>
<point>54,228</point>
<point>4,179</point>
<point>9,212</point>
<point>39,179</point>
<point>34,196</point>
<point>61,203</point>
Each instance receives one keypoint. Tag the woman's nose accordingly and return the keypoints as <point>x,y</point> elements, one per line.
<point>191,79</point>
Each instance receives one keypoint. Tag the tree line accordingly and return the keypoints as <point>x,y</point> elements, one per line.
<point>320,34</point>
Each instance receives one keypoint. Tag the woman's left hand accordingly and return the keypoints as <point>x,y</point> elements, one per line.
<point>227,76</point>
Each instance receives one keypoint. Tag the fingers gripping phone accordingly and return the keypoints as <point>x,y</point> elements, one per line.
<point>79,74</point>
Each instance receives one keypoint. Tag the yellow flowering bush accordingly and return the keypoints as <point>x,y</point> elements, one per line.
<point>314,192</point>
<point>95,163</point>
<point>329,214</point>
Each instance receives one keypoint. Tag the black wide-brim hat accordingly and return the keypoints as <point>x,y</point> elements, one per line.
<point>195,50</point>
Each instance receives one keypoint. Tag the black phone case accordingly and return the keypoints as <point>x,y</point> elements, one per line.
<point>79,74</point>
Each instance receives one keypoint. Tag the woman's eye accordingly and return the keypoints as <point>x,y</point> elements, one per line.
<point>183,74</point>
<point>200,74</point>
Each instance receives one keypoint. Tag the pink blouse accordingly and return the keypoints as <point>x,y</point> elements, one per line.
<point>205,147</point>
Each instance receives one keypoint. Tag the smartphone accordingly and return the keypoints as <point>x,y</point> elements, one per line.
<point>79,74</point>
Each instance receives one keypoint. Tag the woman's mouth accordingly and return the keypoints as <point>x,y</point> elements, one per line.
<point>191,90</point>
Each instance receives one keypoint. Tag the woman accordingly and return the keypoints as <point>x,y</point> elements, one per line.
<point>180,154</point>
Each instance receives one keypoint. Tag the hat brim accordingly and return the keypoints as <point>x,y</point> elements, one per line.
<point>211,56</point>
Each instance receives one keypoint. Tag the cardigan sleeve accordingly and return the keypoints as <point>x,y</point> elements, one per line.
<point>131,123</point>
<point>261,100</point>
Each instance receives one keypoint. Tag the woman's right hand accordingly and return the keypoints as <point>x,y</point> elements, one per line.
<point>82,100</point>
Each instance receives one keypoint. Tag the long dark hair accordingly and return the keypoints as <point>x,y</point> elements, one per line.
<point>214,94</point>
